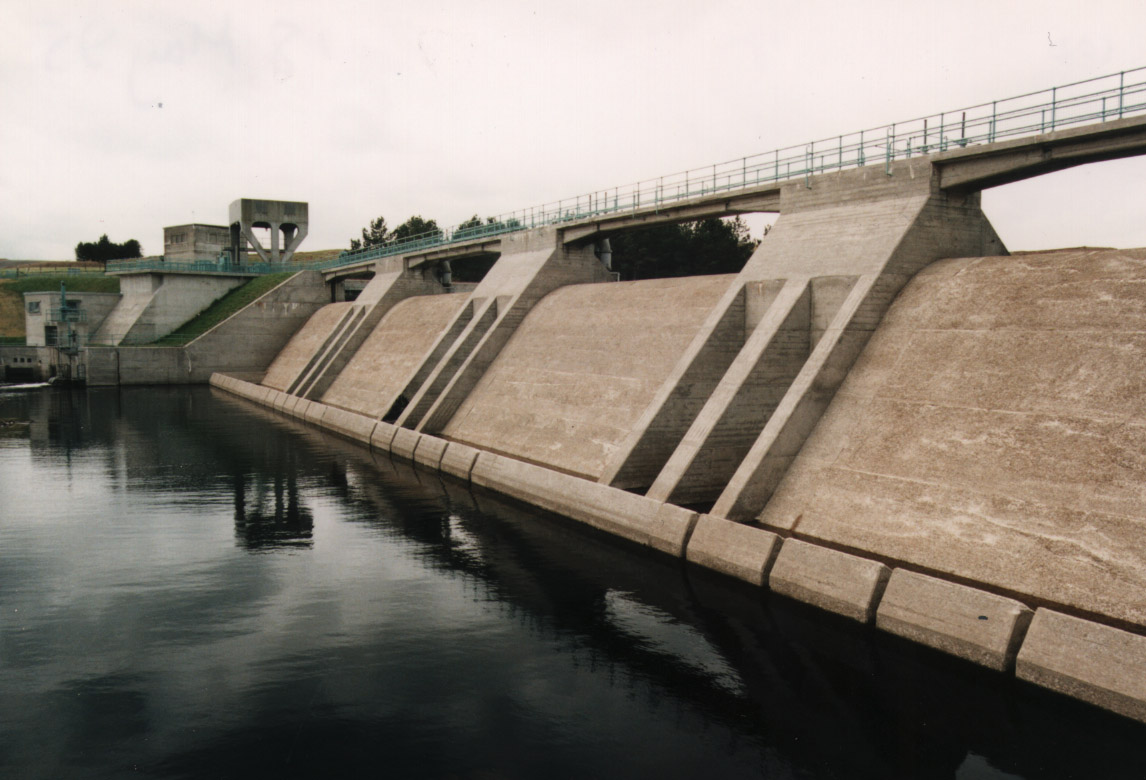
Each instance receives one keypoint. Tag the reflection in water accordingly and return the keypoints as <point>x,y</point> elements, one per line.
<point>397,623</point>
<point>275,517</point>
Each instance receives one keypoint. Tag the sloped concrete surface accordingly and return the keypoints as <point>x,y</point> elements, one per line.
<point>380,368</point>
<point>579,371</point>
<point>994,430</point>
<point>293,359</point>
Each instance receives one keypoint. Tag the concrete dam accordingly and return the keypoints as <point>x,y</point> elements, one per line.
<point>884,414</point>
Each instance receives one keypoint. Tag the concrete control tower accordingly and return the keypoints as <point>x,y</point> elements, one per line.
<point>279,216</point>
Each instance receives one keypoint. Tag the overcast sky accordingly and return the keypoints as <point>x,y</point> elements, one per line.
<point>122,117</point>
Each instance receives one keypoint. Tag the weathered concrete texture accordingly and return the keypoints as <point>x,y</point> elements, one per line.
<point>294,358</point>
<point>860,225</point>
<point>660,526</point>
<point>458,460</point>
<point>738,550</point>
<point>637,460</point>
<point>845,584</point>
<point>742,402</point>
<point>382,437</point>
<point>1095,663</point>
<point>993,430</point>
<point>155,304</point>
<point>390,285</point>
<point>970,623</point>
<point>404,443</point>
<point>567,388</point>
<point>430,451</point>
<point>380,368</point>
<point>348,424</point>
<point>247,341</point>
<point>532,265</point>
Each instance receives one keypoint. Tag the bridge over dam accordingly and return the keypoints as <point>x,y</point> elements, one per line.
<point>883,414</point>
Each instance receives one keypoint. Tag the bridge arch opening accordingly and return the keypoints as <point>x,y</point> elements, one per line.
<point>1097,204</point>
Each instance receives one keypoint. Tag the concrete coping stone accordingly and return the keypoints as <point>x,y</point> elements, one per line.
<point>458,460</point>
<point>262,395</point>
<point>429,451</point>
<point>838,582</point>
<point>741,551</point>
<point>382,437</point>
<point>314,413</point>
<point>301,408</point>
<point>404,443</point>
<point>349,424</point>
<point>289,406</point>
<point>963,621</point>
<point>1098,664</point>
<point>280,400</point>
<point>639,519</point>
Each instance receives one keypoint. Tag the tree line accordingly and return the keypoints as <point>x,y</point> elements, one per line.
<point>707,246</point>
<point>103,250</point>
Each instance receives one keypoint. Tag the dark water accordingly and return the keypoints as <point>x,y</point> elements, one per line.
<point>191,587</point>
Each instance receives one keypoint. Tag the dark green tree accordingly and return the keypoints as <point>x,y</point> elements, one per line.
<point>103,250</point>
<point>708,246</point>
<point>416,227</point>
<point>375,235</point>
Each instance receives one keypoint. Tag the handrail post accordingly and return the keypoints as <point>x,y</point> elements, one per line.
<point>1054,105</point>
<point>1121,82</point>
<point>887,154</point>
<point>859,158</point>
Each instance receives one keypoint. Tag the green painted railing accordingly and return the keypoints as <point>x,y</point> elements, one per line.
<point>22,272</point>
<point>1092,101</point>
<point>1084,102</point>
<point>202,267</point>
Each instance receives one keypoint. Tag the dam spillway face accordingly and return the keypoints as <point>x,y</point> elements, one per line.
<point>974,481</point>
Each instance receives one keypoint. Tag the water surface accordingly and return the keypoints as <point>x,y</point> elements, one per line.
<point>191,586</point>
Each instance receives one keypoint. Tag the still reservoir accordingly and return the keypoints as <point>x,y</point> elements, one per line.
<point>191,586</point>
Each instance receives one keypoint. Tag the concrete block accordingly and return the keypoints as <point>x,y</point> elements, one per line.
<point>289,406</point>
<point>314,412</point>
<point>301,408</point>
<point>845,584</point>
<point>458,460</point>
<point>1099,664</point>
<point>382,436</point>
<point>430,450</point>
<point>651,523</point>
<point>735,549</point>
<point>274,399</point>
<point>280,400</point>
<point>970,623</point>
<point>404,443</point>
<point>348,424</point>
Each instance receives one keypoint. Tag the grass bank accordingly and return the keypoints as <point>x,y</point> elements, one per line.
<point>12,295</point>
<point>224,307</point>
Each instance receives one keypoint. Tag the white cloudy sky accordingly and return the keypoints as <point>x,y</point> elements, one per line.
<point>122,117</point>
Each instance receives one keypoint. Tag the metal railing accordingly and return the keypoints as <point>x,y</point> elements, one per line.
<point>202,267</point>
<point>22,271</point>
<point>1091,101</point>
<point>67,314</point>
